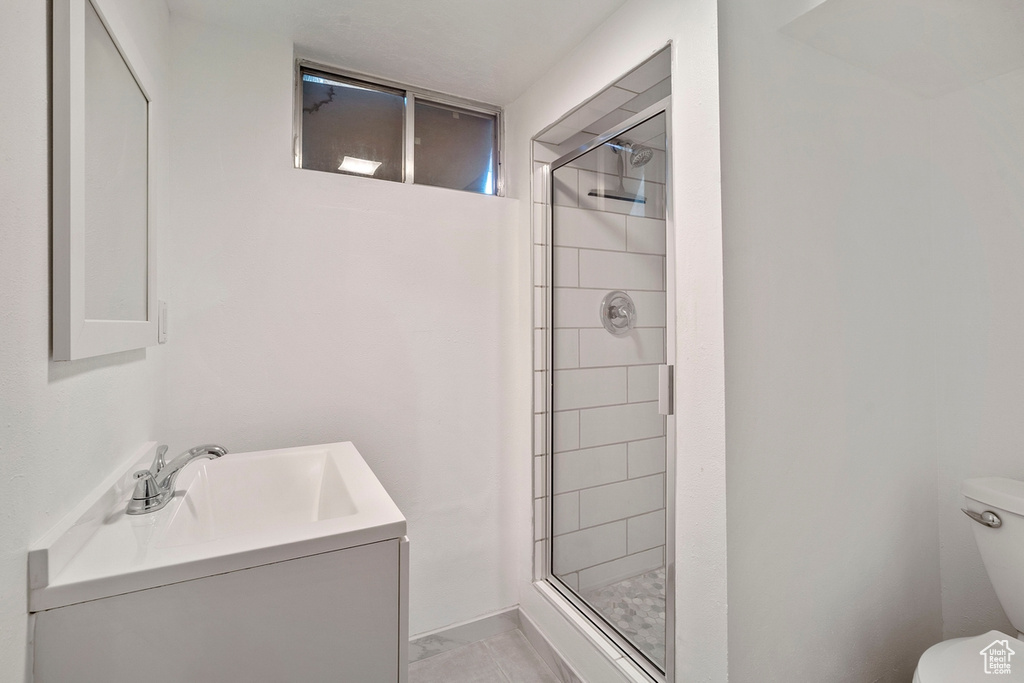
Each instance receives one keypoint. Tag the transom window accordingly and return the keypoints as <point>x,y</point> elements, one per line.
<point>346,123</point>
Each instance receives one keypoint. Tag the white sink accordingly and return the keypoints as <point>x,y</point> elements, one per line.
<point>239,511</point>
<point>258,491</point>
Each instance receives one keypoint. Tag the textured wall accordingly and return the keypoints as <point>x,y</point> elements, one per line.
<point>63,426</point>
<point>978,239</point>
<point>833,547</point>
<point>309,307</point>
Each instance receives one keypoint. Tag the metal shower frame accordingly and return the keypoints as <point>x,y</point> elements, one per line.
<point>651,669</point>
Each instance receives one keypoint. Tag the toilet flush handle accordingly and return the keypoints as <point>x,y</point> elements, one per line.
<point>989,519</point>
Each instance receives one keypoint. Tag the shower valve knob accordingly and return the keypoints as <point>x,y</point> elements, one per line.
<point>618,314</point>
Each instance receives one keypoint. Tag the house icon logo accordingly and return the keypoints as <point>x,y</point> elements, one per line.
<point>997,657</point>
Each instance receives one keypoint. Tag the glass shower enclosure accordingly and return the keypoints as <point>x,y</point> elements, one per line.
<point>610,345</point>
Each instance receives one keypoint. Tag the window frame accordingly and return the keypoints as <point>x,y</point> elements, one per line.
<point>412,94</point>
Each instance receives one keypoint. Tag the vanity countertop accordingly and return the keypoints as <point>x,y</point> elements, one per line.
<point>239,511</point>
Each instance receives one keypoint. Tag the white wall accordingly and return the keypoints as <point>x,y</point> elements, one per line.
<point>635,32</point>
<point>63,426</point>
<point>310,307</point>
<point>833,545</point>
<point>978,232</point>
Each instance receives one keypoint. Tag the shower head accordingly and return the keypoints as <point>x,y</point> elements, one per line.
<point>639,155</point>
<point>636,155</point>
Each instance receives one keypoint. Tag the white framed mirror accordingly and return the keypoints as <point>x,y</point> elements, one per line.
<point>104,218</point>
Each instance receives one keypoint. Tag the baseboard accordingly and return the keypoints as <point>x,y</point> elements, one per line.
<point>451,637</point>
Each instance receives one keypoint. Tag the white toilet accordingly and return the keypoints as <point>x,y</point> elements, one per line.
<point>997,507</point>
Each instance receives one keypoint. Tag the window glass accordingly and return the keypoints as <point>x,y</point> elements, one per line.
<point>454,148</point>
<point>352,127</point>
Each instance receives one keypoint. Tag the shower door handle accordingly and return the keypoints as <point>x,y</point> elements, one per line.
<point>666,376</point>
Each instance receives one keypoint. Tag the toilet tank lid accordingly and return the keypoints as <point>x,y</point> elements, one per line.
<point>1006,494</point>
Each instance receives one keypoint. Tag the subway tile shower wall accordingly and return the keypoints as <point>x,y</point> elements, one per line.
<point>609,465</point>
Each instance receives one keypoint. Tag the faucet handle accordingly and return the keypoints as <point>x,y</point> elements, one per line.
<point>145,485</point>
<point>147,494</point>
<point>158,461</point>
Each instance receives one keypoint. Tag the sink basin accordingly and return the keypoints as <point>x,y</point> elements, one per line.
<point>236,512</point>
<point>239,495</point>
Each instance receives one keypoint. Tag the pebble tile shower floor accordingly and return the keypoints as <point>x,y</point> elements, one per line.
<point>636,606</point>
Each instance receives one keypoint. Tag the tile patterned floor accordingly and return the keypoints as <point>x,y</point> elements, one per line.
<point>636,606</point>
<point>506,658</point>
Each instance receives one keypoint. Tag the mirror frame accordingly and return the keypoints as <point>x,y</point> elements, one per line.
<point>74,335</point>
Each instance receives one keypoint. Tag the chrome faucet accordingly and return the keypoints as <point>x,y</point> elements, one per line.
<point>154,487</point>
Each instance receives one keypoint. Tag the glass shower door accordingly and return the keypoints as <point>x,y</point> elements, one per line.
<point>609,355</point>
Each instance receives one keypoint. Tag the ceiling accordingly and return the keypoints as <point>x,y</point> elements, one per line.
<point>931,47</point>
<point>484,50</point>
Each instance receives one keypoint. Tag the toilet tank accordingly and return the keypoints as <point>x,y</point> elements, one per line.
<point>1002,548</point>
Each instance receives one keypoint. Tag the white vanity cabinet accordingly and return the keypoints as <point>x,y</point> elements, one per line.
<point>337,616</point>
<point>306,582</point>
